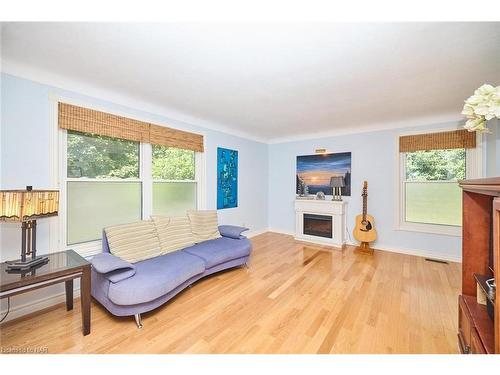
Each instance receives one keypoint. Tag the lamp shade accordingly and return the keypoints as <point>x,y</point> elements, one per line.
<point>337,181</point>
<point>25,205</point>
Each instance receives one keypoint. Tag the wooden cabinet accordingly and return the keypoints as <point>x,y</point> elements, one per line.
<point>476,344</point>
<point>475,327</point>
<point>478,331</point>
<point>496,267</point>
<point>464,326</point>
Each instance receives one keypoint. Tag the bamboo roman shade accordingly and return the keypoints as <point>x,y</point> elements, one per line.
<point>85,120</point>
<point>72,117</point>
<point>159,135</point>
<point>437,141</point>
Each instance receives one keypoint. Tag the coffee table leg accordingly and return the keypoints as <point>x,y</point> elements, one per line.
<point>85,300</point>
<point>69,294</point>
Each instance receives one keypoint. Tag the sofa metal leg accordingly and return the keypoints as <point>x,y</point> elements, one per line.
<point>138,320</point>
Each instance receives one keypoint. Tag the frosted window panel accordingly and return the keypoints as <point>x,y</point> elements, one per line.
<point>95,205</point>
<point>173,198</point>
<point>434,203</point>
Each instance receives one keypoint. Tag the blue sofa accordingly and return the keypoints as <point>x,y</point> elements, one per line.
<point>126,289</point>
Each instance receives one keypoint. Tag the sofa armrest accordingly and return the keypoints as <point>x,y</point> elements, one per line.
<point>232,231</point>
<point>111,267</point>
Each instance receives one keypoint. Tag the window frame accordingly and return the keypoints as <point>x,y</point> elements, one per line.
<point>473,169</point>
<point>58,177</point>
<point>198,168</point>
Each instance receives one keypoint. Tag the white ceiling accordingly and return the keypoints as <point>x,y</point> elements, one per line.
<point>270,81</point>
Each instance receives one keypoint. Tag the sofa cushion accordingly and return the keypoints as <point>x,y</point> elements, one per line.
<point>113,268</point>
<point>106,262</point>
<point>156,277</point>
<point>221,250</point>
<point>204,225</point>
<point>133,242</point>
<point>232,231</point>
<point>174,233</point>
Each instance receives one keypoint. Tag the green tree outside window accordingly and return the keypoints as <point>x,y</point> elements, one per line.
<point>171,163</point>
<point>435,165</point>
<point>99,157</point>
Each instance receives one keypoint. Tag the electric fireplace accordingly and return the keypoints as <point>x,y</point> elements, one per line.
<point>318,225</point>
<point>320,221</point>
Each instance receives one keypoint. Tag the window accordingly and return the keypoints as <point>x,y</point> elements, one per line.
<point>99,157</point>
<point>430,199</point>
<point>432,194</point>
<point>109,181</point>
<point>103,185</point>
<point>174,182</point>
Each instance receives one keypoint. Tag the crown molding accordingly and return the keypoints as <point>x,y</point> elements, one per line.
<point>63,83</point>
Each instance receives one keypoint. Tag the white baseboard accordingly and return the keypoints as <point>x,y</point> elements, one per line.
<point>33,306</point>
<point>382,247</point>
<point>417,252</point>
<point>253,233</point>
<point>281,231</point>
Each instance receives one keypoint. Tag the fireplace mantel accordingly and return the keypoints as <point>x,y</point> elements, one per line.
<point>334,209</point>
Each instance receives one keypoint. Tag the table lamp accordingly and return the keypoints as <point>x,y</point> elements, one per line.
<point>337,183</point>
<point>26,206</point>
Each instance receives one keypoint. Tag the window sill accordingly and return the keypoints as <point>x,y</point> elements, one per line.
<point>444,230</point>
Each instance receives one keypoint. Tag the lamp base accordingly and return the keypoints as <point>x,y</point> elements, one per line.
<point>337,194</point>
<point>18,265</point>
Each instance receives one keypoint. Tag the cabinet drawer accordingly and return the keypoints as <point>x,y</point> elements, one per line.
<point>476,346</point>
<point>464,326</point>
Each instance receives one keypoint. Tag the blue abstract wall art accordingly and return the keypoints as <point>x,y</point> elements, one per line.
<point>227,178</point>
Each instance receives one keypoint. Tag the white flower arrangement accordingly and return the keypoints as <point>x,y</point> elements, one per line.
<point>484,105</point>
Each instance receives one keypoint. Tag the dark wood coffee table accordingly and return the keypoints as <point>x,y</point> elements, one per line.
<point>64,266</point>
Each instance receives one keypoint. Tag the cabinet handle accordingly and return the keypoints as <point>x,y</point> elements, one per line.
<point>467,349</point>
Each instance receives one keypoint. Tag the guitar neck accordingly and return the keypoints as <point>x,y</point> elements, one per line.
<point>364,206</point>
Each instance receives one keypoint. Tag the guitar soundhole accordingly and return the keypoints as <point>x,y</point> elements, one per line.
<point>368,226</point>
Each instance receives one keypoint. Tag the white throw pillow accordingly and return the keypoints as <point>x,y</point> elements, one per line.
<point>174,233</point>
<point>204,225</point>
<point>133,242</point>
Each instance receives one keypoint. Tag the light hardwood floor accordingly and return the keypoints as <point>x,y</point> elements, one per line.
<point>294,298</point>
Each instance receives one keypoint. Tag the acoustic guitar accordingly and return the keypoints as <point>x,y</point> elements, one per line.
<point>364,230</point>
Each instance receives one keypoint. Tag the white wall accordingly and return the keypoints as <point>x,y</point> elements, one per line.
<point>373,159</point>
<point>493,149</point>
<point>25,160</point>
